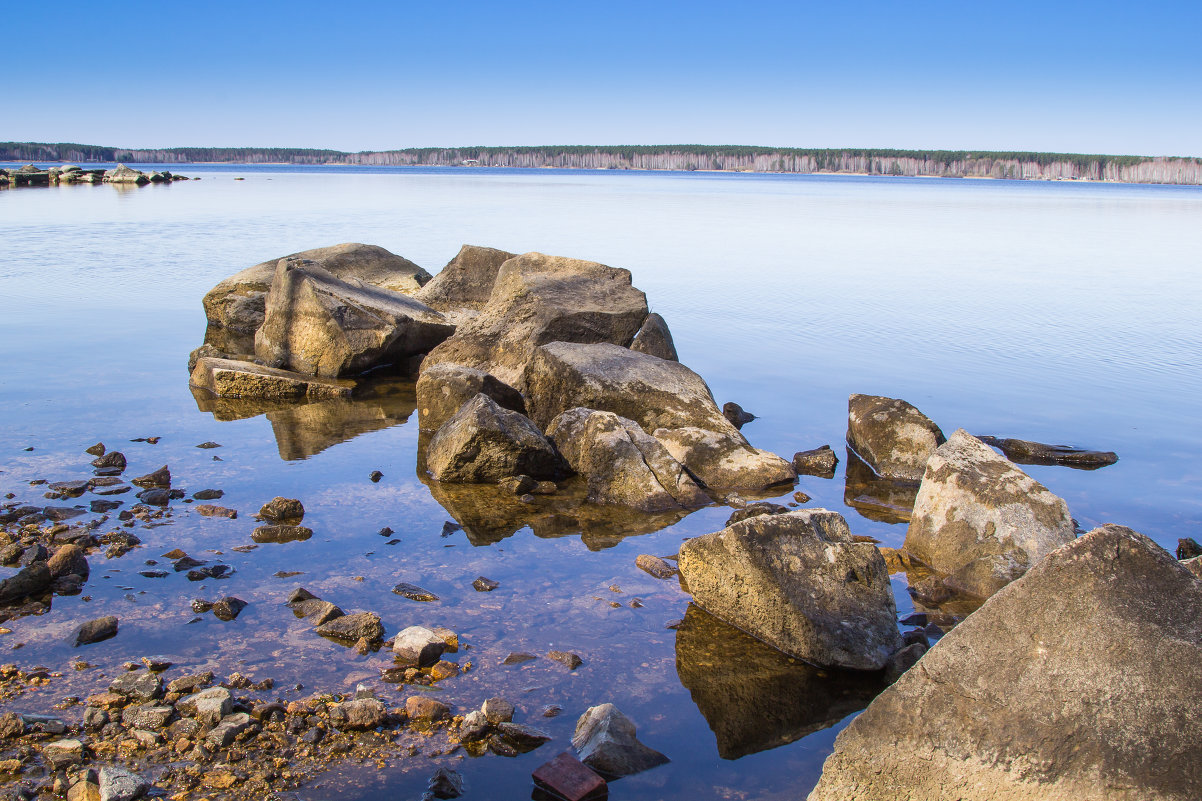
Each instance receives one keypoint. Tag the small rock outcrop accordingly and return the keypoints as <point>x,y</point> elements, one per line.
<point>318,324</point>
<point>484,443</point>
<point>228,378</point>
<point>820,461</point>
<point>466,282</point>
<point>606,742</point>
<point>1022,451</point>
<point>891,436</point>
<point>655,339</point>
<point>1082,679</point>
<point>800,583</point>
<point>624,465</point>
<point>443,389</point>
<point>981,520</point>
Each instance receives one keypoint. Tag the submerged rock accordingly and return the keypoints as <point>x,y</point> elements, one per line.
<point>1021,451</point>
<point>981,520</point>
<point>800,583</point>
<point>483,443</point>
<point>350,628</point>
<point>102,628</point>
<point>891,436</point>
<point>1009,704</point>
<point>606,742</point>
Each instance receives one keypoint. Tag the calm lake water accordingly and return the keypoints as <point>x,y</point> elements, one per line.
<point>1060,312</point>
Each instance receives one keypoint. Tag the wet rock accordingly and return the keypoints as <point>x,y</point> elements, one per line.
<point>96,450</point>
<point>123,175</point>
<point>414,592</point>
<point>375,476</point>
<point>655,566</point>
<point>655,339</point>
<point>482,584</point>
<point>418,645</point>
<point>425,708</point>
<point>1016,685</point>
<point>566,658</point>
<point>281,534</point>
<point>443,389</point>
<point>223,734</point>
<point>905,659</point>
<point>483,443</point>
<point>474,727</point>
<point>184,562</point>
<point>150,717</point>
<point>58,513</point>
<point>102,506</point>
<point>30,580</point>
<point>518,657</point>
<point>316,611</point>
<point>316,324</point>
<point>208,445</point>
<point>159,478</point>
<point>283,510</point>
<point>819,462</point>
<point>36,553</point>
<point>62,754</point>
<point>606,742</point>
<point>755,510</point>
<point>800,583</point>
<point>361,714</point>
<point>210,572</point>
<point>446,783</point>
<point>119,784</point>
<point>141,686</point>
<point>568,778</point>
<point>112,459</point>
<point>207,706</point>
<point>981,520</point>
<point>1021,451</point>
<point>229,378</point>
<point>523,738</point>
<point>69,489</point>
<point>350,628</point>
<point>668,400</point>
<point>891,436</point>
<point>209,510</point>
<point>1188,548</point>
<point>228,608</point>
<point>497,710</point>
<point>876,498</point>
<point>155,497</point>
<point>623,464</point>
<point>735,413</point>
<point>11,725</point>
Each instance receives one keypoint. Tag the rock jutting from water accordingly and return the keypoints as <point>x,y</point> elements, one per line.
<point>891,436</point>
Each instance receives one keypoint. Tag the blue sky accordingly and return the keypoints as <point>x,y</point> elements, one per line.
<point>1084,77</point>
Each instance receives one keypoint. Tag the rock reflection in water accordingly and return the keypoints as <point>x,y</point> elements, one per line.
<point>754,697</point>
<point>877,498</point>
<point>306,429</point>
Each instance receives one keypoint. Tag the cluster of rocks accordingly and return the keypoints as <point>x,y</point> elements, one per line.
<point>528,366</point>
<point>32,175</point>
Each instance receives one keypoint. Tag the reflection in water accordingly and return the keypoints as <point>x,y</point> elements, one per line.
<point>877,498</point>
<point>306,429</point>
<point>753,696</point>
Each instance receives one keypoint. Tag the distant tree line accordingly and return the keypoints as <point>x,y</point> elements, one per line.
<point>741,158</point>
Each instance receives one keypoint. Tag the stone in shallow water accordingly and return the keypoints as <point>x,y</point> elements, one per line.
<point>606,742</point>
<point>102,628</point>
<point>281,534</point>
<point>414,592</point>
<point>566,658</point>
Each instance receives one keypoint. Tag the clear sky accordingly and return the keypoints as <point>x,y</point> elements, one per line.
<point>1096,77</point>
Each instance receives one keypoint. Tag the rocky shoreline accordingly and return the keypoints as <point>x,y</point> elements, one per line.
<point>32,175</point>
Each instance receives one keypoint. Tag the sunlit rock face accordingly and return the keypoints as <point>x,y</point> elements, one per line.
<point>891,436</point>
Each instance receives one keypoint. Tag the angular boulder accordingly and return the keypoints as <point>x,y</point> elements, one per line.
<point>238,303</point>
<point>1082,679</point>
<point>318,324</point>
<point>667,399</point>
<point>125,175</point>
<point>538,299</point>
<point>606,742</point>
<point>624,465</point>
<point>655,339</point>
<point>891,436</point>
<point>466,282</point>
<point>981,520</point>
<point>798,582</point>
<point>227,378</point>
<point>443,389</point>
<point>484,443</point>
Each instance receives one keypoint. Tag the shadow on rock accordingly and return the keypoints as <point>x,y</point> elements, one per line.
<point>754,697</point>
<point>881,499</point>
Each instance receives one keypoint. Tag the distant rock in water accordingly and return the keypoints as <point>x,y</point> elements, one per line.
<point>1023,451</point>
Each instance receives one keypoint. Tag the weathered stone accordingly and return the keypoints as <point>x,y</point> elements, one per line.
<point>30,580</point>
<point>474,726</point>
<point>228,378</point>
<point>1021,451</point>
<point>160,478</point>
<point>208,706</point>
<point>606,742</point>
<point>567,777</point>
<point>891,436</point>
<point>755,510</point>
<point>283,510</point>
<point>210,510</point>
<point>112,459</point>
<point>483,443</point>
<point>238,303</point>
<point>125,175</point>
<point>281,534</point>
<point>414,592</point>
<point>317,611</point>
<point>624,465</point>
<point>119,784</point>
<point>425,708</point>
<point>443,389</point>
<point>228,608</point>
<point>497,710</point>
<point>524,738</point>
<point>1193,565</point>
<point>566,658</point>
<point>316,324</point>
<point>446,783</point>
<point>466,282</point>
<point>736,414</point>
<point>223,734</point>
<point>418,645</point>
<point>655,566</point>
<point>820,462</point>
<point>63,753</point>
<point>981,520</point>
<point>800,583</point>
<point>483,584</point>
<point>151,717</point>
<point>96,450</point>
<point>667,399</point>
<point>102,628</point>
<point>155,497</point>
<point>655,339</point>
<point>190,683</point>
<point>358,715</point>
<point>349,628</point>
<point>1081,679</point>
<point>141,686</point>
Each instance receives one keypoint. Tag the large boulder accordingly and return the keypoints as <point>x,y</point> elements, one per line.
<point>624,465</point>
<point>981,520</point>
<point>891,436</point>
<point>444,388</point>
<point>606,742</point>
<point>227,378</point>
<point>466,283</point>
<point>317,324</point>
<point>238,303</point>
<point>1082,679</point>
<point>667,399</point>
<point>538,299</point>
<point>800,583</point>
<point>125,175</point>
<point>484,443</point>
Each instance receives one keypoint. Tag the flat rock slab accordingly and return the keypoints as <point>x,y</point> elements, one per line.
<point>227,378</point>
<point>1081,679</point>
<point>569,778</point>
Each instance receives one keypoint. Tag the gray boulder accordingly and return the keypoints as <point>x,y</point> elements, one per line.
<point>466,283</point>
<point>227,378</point>
<point>538,299</point>
<point>655,339</point>
<point>1082,679</point>
<point>418,646</point>
<point>606,742</point>
<point>318,324</point>
<point>800,583</point>
<point>238,303</point>
<point>484,443</point>
<point>623,464</point>
<point>125,175</point>
<point>981,520</point>
<point>119,784</point>
<point>891,436</point>
<point>667,399</point>
<point>443,389</point>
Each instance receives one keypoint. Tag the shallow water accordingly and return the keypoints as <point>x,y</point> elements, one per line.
<point>1063,312</point>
